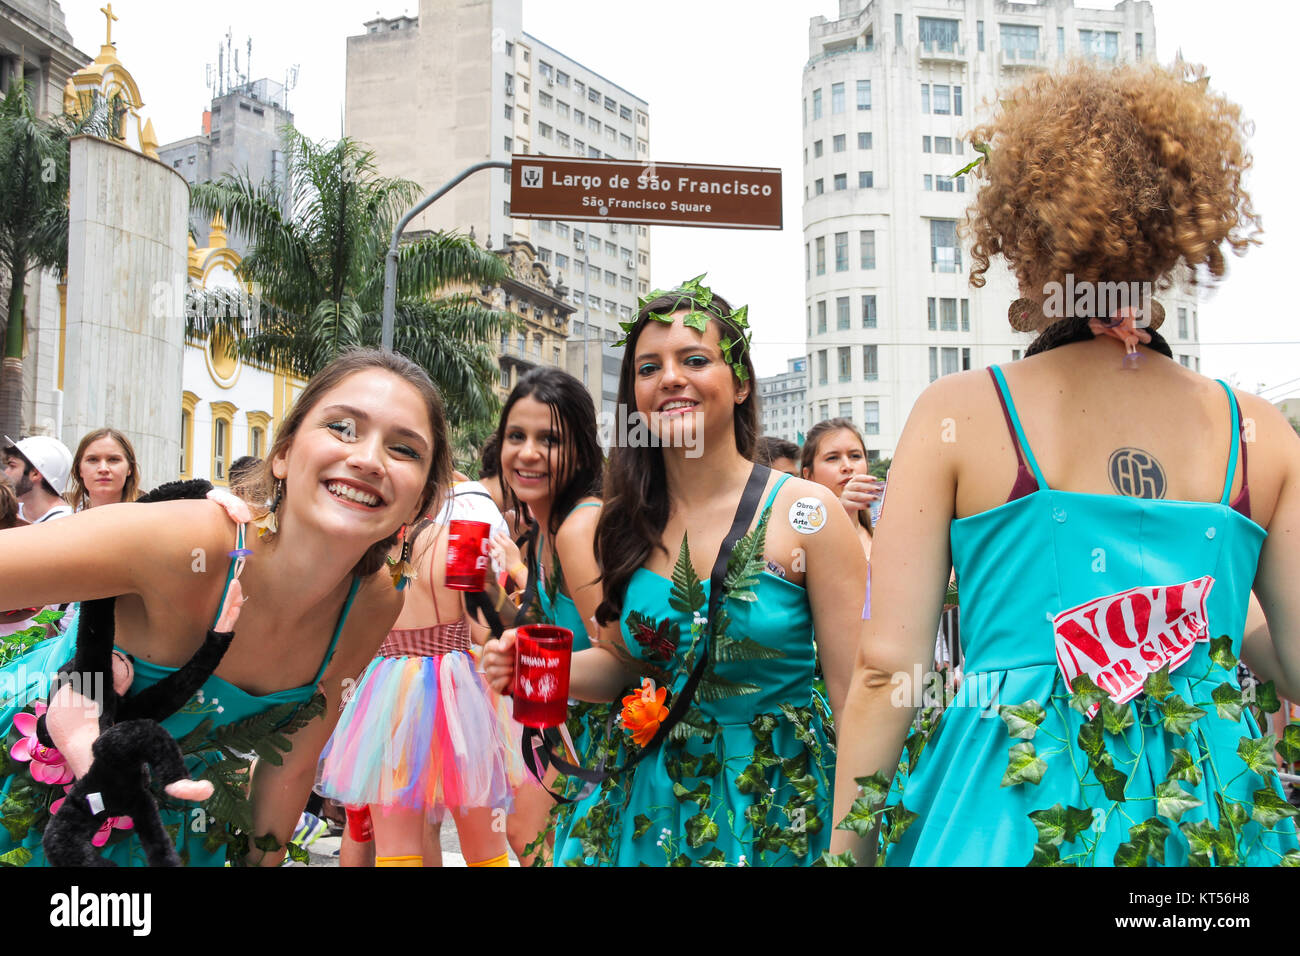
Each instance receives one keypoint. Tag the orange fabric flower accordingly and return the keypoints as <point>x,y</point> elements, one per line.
<point>644,711</point>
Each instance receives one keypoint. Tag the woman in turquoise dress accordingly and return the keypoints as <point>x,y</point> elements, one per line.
<point>744,778</point>
<point>551,462</point>
<point>1095,503</point>
<point>362,452</point>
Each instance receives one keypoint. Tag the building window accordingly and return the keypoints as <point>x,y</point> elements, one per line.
<point>965,315</point>
<point>817,104</point>
<point>817,149</point>
<point>256,442</point>
<point>931,315</point>
<point>867,248</point>
<point>866,179</point>
<point>819,187</point>
<point>871,418</point>
<point>925,97</point>
<point>593,123</point>
<point>610,105</point>
<point>979,34</point>
<point>821,368</point>
<point>807,260</point>
<point>837,98</point>
<point>562,138</point>
<point>544,256</point>
<point>546,99</point>
<point>948,315</point>
<point>943,184</point>
<point>510,144</point>
<point>1182,323</point>
<point>948,361</point>
<point>868,311</point>
<point>593,96</point>
<point>965,360</point>
<point>561,261</point>
<point>1019,42</point>
<point>870,372</point>
<point>1099,44</point>
<point>943,145</point>
<point>842,313</point>
<point>839,143</point>
<point>544,131</point>
<point>945,254</point>
<point>562,78</point>
<point>925,144</point>
<point>898,28</point>
<point>222,429</point>
<point>846,409</point>
<point>842,252</point>
<point>864,94</point>
<point>1138,41</point>
<point>821,252</point>
<point>821,316</point>
<point>934,362</point>
<point>864,141</point>
<point>927,182</point>
<point>942,99</point>
<point>846,364</point>
<point>841,181</point>
<point>1015,355</point>
<point>1060,41</point>
<point>938,34</point>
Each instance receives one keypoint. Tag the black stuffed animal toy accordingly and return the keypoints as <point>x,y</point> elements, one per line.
<point>113,744</point>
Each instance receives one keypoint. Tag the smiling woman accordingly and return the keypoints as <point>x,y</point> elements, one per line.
<point>363,452</point>
<point>743,778</point>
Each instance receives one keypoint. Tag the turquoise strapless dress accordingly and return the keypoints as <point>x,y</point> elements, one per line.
<point>751,784</point>
<point>26,681</point>
<point>1164,789</point>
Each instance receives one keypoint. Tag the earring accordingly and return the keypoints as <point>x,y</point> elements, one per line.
<point>1023,314</point>
<point>401,571</point>
<point>267,524</point>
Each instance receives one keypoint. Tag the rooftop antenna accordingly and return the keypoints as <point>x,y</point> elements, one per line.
<point>290,83</point>
<point>248,61</point>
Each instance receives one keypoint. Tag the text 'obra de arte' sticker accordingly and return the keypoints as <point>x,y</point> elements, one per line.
<point>807,516</point>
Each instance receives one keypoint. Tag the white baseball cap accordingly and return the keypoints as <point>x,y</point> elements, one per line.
<point>47,455</point>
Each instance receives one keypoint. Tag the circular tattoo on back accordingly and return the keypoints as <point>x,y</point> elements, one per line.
<point>1137,473</point>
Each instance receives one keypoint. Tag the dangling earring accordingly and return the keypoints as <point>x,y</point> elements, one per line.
<point>401,570</point>
<point>267,524</point>
<point>1023,314</point>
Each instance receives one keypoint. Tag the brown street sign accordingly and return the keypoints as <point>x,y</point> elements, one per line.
<point>659,194</point>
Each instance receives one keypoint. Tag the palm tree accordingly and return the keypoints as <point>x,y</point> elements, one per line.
<point>319,274</point>
<point>34,180</point>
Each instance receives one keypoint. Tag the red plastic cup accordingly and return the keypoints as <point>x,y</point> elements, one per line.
<point>467,554</point>
<point>543,653</point>
<point>359,825</point>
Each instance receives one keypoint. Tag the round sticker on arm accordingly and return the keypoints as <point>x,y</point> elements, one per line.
<point>807,516</point>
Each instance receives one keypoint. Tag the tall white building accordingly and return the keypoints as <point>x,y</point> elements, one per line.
<point>783,404</point>
<point>462,83</point>
<point>889,90</point>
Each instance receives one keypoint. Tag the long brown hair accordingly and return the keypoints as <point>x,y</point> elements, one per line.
<point>258,487</point>
<point>636,485</point>
<point>77,495</point>
<point>813,442</point>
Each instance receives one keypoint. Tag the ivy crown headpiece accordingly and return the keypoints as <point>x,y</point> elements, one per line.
<point>696,296</point>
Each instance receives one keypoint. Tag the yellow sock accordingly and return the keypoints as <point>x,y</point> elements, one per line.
<point>415,860</point>
<point>502,860</point>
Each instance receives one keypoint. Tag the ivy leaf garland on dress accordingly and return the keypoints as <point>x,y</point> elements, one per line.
<point>1068,835</point>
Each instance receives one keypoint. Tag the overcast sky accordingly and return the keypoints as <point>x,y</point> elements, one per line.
<point>723,78</point>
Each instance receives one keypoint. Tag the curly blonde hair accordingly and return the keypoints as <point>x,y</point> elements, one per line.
<point>1114,176</point>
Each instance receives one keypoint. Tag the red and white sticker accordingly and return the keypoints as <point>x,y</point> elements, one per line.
<point>1119,639</point>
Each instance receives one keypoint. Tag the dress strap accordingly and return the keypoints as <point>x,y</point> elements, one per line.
<point>771,498</point>
<point>338,629</point>
<point>1013,419</point>
<point>587,504</point>
<point>1244,497</point>
<point>235,570</point>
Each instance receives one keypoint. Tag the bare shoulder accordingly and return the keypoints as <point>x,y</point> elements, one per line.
<point>795,489</point>
<point>376,598</point>
<point>580,526</point>
<point>1263,424</point>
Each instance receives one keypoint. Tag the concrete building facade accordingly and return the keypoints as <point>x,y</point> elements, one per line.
<point>783,401</point>
<point>890,90</point>
<point>463,83</point>
<point>241,135</point>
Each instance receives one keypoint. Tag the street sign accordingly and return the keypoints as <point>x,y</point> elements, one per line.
<point>658,194</point>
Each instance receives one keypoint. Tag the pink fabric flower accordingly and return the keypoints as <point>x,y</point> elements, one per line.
<point>48,765</point>
<point>106,829</point>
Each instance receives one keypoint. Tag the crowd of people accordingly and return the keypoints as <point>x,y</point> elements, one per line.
<point>744,637</point>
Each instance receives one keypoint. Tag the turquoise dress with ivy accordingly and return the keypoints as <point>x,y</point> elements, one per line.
<point>1015,771</point>
<point>218,730</point>
<point>745,778</point>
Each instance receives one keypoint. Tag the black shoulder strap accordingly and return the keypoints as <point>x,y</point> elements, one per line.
<point>745,511</point>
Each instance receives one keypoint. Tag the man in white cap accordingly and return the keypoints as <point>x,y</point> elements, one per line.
<point>38,468</point>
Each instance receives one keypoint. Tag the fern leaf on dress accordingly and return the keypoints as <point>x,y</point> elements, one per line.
<point>688,591</point>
